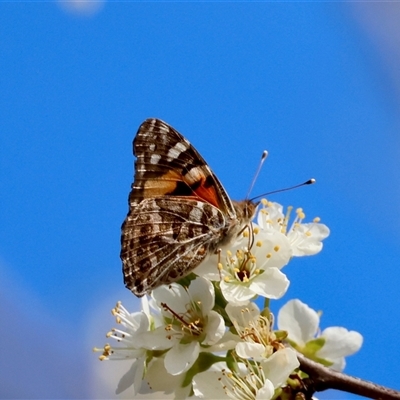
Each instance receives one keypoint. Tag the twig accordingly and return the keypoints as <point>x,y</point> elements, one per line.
<point>323,378</point>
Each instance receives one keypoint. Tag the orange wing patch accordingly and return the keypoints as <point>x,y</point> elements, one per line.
<point>197,178</point>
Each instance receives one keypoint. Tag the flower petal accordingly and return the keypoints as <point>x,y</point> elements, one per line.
<point>207,385</point>
<point>159,380</point>
<point>181,357</point>
<point>215,328</point>
<point>174,295</point>
<point>306,238</point>
<point>300,321</point>
<point>339,343</point>
<point>250,350</point>
<point>274,251</point>
<point>271,283</point>
<point>236,292</point>
<point>280,365</point>
<point>243,315</point>
<point>133,377</point>
<point>202,292</point>
<point>266,392</point>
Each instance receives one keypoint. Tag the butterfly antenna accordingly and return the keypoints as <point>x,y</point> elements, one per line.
<point>263,157</point>
<point>309,182</point>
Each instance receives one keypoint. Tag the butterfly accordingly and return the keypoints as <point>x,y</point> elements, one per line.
<point>179,212</point>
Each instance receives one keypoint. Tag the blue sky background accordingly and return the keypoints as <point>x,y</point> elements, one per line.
<point>316,84</point>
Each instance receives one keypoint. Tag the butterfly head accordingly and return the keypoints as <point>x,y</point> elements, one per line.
<point>245,210</point>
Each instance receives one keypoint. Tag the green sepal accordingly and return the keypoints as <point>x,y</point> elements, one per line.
<point>185,282</point>
<point>231,362</point>
<point>313,346</point>
<point>281,335</point>
<point>220,304</point>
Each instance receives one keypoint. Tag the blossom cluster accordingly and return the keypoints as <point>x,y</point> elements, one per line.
<point>206,336</point>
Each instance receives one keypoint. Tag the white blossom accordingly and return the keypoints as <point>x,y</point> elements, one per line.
<point>256,380</point>
<point>251,266</point>
<point>330,346</point>
<point>206,337</point>
<point>299,239</point>
<point>189,322</point>
<point>134,325</point>
<point>254,330</point>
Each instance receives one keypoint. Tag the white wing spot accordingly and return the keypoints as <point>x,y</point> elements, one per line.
<point>155,158</point>
<point>152,146</point>
<point>194,175</point>
<point>174,152</point>
<point>195,214</point>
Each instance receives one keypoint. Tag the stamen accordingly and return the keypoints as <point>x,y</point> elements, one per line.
<point>286,220</point>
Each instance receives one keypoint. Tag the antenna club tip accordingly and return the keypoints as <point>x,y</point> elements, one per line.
<point>311,181</point>
<point>264,155</point>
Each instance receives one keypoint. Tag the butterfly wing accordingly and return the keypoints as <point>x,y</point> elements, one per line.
<point>164,240</point>
<point>168,165</point>
<point>178,210</point>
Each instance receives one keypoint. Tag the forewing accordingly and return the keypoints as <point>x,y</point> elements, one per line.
<point>163,240</point>
<point>168,165</point>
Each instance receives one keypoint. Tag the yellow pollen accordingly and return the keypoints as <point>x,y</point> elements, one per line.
<point>102,358</point>
<point>220,266</point>
<point>264,202</point>
<point>269,255</point>
<point>276,248</point>
<point>108,334</point>
<point>270,204</point>
<point>316,219</point>
<point>118,320</point>
<point>236,270</point>
<point>253,259</point>
<point>246,233</point>
<point>257,271</point>
<point>308,233</point>
<point>229,253</point>
<point>226,279</point>
<point>259,243</point>
<point>256,230</point>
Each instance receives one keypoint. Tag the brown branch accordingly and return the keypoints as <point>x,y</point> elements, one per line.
<point>323,378</point>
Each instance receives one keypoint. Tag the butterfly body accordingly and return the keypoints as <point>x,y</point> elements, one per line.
<point>179,212</point>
